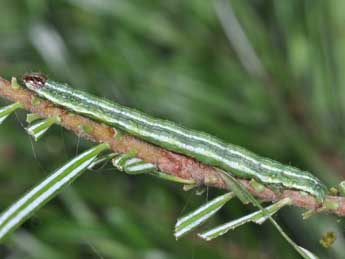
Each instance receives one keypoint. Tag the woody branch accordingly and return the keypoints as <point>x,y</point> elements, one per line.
<point>167,161</point>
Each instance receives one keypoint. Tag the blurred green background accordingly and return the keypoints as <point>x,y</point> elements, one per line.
<point>266,75</point>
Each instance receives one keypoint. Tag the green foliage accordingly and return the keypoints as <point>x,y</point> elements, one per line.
<point>257,217</point>
<point>192,220</point>
<point>8,110</point>
<point>38,196</point>
<point>172,59</point>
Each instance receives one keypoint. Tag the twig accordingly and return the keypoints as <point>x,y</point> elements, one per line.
<point>169,162</point>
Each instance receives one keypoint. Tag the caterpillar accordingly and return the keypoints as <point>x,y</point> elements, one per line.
<point>201,146</point>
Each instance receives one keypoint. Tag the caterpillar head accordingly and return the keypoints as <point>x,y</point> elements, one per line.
<point>34,81</point>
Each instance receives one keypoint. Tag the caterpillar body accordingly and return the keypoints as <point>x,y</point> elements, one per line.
<point>201,146</point>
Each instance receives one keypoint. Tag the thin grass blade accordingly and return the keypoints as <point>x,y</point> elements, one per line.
<point>235,186</point>
<point>7,110</point>
<point>132,165</point>
<point>257,217</point>
<point>101,160</point>
<point>138,166</point>
<point>120,161</point>
<point>199,216</point>
<point>31,117</point>
<point>46,190</point>
<point>38,129</point>
<point>302,251</point>
<point>306,253</point>
<point>248,196</point>
<point>173,178</point>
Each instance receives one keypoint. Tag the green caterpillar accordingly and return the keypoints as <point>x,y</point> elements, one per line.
<point>201,146</point>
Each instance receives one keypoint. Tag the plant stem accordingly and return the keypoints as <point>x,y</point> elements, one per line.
<point>168,162</point>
